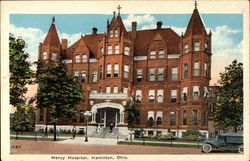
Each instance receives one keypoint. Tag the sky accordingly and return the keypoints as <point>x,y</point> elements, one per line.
<point>227,31</point>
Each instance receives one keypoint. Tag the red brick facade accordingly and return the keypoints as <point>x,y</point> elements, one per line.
<point>167,74</point>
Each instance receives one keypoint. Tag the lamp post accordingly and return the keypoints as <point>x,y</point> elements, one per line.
<point>87,113</point>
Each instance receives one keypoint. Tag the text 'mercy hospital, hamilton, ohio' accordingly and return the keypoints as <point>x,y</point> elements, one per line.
<point>167,75</point>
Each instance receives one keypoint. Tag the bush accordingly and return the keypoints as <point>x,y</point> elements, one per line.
<point>192,135</point>
<point>168,136</point>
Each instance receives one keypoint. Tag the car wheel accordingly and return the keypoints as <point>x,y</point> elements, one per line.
<point>206,148</point>
<point>241,149</point>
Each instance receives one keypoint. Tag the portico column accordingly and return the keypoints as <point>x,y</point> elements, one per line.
<point>115,119</point>
<point>93,117</point>
<point>121,117</point>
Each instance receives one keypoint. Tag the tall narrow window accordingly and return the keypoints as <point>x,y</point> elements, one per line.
<point>116,33</point>
<point>197,46</point>
<point>159,120</point>
<point>195,117</point>
<point>101,51</point>
<point>161,54</point>
<point>184,117</point>
<point>111,33</point>
<point>196,68</point>
<point>138,96</point>
<point>77,58</point>
<point>116,70</point>
<point>204,118</point>
<point>196,93</point>
<point>45,55</point>
<point>172,118</point>
<point>174,74</point>
<point>41,114</point>
<point>84,76</point>
<point>205,70</point>
<point>206,46</point>
<point>94,76</point>
<point>161,74</point>
<point>126,50</point>
<point>116,49</point>
<point>126,71</point>
<point>173,96</point>
<point>109,70</point>
<point>160,95</point>
<point>151,95</point>
<point>184,94</point>
<point>185,74</point>
<point>54,56</point>
<point>186,48</point>
<point>152,74</point>
<point>115,90</point>
<point>81,116</point>
<point>139,75</point>
<point>125,90</point>
<point>108,89</point>
<point>76,75</point>
<point>84,58</point>
<point>100,71</point>
<point>206,92</point>
<point>152,54</point>
<point>109,49</point>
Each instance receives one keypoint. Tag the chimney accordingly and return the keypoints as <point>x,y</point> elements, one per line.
<point>134,25</point>
<point>94,31</point>
<point>64,44</point>
<point>159,24</point>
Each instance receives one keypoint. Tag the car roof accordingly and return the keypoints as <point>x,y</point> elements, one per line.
<point>231,134</point>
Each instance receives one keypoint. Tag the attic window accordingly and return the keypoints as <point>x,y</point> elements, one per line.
<point>54,56</point>
<point>116,33</point>
<point>111,33</point>
<point>186,48</point>
<point>161,54</point>
<point>152,54</point>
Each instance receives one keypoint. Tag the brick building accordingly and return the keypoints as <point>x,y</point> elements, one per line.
<point>166,74</point>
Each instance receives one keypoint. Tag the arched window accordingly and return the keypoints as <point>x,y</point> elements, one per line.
<point>196,92</point>
<point>159,120</point>
<point>184,94</point>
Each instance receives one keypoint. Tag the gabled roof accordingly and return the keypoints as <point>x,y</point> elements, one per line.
<point>195,25</point>
<point>52,37</point>
<point>117,22</point>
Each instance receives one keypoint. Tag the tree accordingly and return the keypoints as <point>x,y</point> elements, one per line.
<point>132,113</point>
<point>58,92</point>
<point>20,73</point>
<point>229,110</point>
<point>150,122</point>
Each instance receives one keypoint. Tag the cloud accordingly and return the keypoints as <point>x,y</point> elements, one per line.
<point>140,19</point>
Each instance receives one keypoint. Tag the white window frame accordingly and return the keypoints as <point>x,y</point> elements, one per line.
<point>197,45</point>
<point>101,51</point>
<point>94,76</point>
<point>161,74</point>
<point>139,75</point>
<point>196,68</point>
<point>54,56</point>
<point>196,93</point>
<point>116,70</point>
<point>138,96</point>
<point>77,58</point>
<point>205,69</point>
<point>83,76</point>
<point>206,92</point>
<point>174,74</point>
<point>174,96</point>
<point>84,58</point>
<point>116,33</point>
<point>76,75</point>
<point>111,33</point>
<point>151,95</point>
<point>160,95</point>
<point>184,93</point>
<point>172,115</point>
<point>152,74</point>
<point>186,48</point>
<point>45,55</point>
<point>151,114</point>
<point>109,70</point>
<point>152,54</point>
<point>117,49</point>
<point>108,89</point>
<point>110,50</point>
<point>125,90</point>
<point>161,53</point>
<point>126,50</point>
<point>115,90</point>
<point>126,71</point>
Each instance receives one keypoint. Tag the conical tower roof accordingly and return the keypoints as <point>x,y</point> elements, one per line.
<point>52,37</point>
<point>117,22</point>
<point>195,25</point>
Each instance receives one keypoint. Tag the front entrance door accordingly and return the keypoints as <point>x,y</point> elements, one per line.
<point>107,116</point>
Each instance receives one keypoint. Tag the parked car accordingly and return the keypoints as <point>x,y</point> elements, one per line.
<point>227,141</point>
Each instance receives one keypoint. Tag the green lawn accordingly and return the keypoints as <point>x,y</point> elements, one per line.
<point>177,140</point>
<point>40,139</point>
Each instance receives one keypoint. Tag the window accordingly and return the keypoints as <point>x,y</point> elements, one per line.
<point>161,74</point>
<point>125,90</point>
<point>116,33</point>
<point>184,117</point>
<point>101,51</point>
<point>195,117</point>
<point>81,116</point>
<point>76,75</point>
<point>54,56</point>
<point>109,49</point>
<point>151,95</point>
<point>77,58</point>
<point>115,90</point>
<point>206,46</point>
<point>161,54</point>
<point>111,33</point>
<point>84,58</point>
<point>126,50</point>
<point>196,68</point>
<point>151,74</point>
<point>116,70</point>
<point>196,93</point>
<point>138,96</point>
<point>126,71</point>
<point>100,71</point>
<point>108,89</point>
<point>139,75</point>
<point>172,118</point>
<point>160,95</point>
<point>152,55</point>
<point>204,118</point>
<point>159,118</point>
<point>174,74</point>
<point>116,49</point>
<point>45,55</point>
<point>84,76</point>
<point>151,114</point>
<point>109,70</point>
<point>206,92</point>
<point>173,96</point>
<point>41,114</point>
<point>94,76</point>
<point>197,46</point>
<point>205,70</point>
<point>184,94</point>
<point>185,74</point>
<point>186,48</point>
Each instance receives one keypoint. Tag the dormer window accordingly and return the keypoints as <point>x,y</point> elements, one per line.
<point>84,58</point>
<point>152,54</point>
<point>126,50</point>
<point>161,53</point>
<point>54,57</point>
<point>77,58</point>
<point>197,46</point>
<point>116,33</point>
<point>111,33</point>
<point>45,55</point>
<point>186,48</point>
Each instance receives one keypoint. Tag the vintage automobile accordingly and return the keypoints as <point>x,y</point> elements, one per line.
<point>227,141</point>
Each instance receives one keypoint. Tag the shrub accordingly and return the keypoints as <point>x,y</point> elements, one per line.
<point>192,135</point>
<point>168,136</point>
